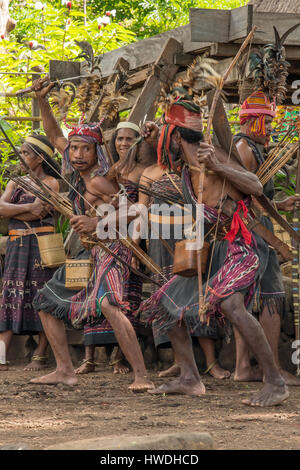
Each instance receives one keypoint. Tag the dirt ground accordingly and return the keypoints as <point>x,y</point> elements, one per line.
<point>39,416</point>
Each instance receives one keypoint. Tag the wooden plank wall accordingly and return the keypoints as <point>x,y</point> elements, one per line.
<point>234,25</point>
<point>209,24</point>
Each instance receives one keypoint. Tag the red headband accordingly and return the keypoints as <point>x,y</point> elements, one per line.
<point>85,131</point>
<point>180,116</point>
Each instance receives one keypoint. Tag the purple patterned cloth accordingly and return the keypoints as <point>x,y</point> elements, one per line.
<point>23,275</point>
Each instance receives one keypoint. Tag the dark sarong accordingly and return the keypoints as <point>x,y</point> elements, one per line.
<point>271,291</point>
<point>23,275</point>
<point>159,253</point>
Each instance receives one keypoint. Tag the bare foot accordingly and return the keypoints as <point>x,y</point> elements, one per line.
<point>250,374</point>
<point>270,395</point>
<point>290,379</point>
<point>4,367</point>
<point>173,371</point>
<point>141,385</point>
<point>178,386</point>
<point>218,373</point>
<point>120,368</point>
<point>36,365</point>
<point>56,377</point>
<point>86,367</point>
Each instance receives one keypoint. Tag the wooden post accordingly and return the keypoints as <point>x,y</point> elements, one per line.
<point>35,107</point>
<point>164,71</point>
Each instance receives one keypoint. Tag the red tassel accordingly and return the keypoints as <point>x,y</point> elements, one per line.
<point>237,224</point>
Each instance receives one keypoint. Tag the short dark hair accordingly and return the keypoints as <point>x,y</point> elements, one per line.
<point>189,135</point>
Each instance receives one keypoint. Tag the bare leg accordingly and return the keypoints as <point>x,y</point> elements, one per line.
<point>119,366</point>
<point>88,365</point>
<point>274,391</point>
<point>244,372</point>
<point>129,345</point>
<point>173,371</point>
<point>39,357</point>
<point>212,365</point>
<point>271,327</point>
<point>6,337</point>
<point>189,382</point>
<point>56,334</point>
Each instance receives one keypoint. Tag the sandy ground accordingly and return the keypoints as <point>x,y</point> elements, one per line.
<point>40,416</point>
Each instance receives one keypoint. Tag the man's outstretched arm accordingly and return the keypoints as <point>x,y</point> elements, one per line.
<point>50,124</point>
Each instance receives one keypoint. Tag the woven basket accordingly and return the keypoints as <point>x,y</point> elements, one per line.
<point>78,273</point>
<point>52,250</point>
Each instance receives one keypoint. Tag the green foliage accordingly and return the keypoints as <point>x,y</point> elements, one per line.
<point>42,35</point>
<point>62,226</point>
<point>39,36</point>
<point>149,17</point>
<point>50,33</point>
<point>8,159</point>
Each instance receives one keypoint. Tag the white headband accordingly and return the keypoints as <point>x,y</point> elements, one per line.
<point>128,125</point>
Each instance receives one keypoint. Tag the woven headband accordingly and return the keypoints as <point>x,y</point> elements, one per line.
<point>85,131</point>
<point>41,145</point>
<point>250,111</point>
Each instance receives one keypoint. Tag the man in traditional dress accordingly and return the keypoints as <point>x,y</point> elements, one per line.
<point>256,116</point>
<point>238,261</point>
<point>166,230</point>
<point>104,293</point>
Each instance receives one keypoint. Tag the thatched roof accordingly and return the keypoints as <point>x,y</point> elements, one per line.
<point>284,6</point>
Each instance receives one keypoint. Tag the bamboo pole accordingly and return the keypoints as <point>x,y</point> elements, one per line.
<point>283,160</point>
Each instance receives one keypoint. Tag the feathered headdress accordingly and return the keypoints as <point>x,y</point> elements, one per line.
<point>269,67</point>
<point>190,87</point>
